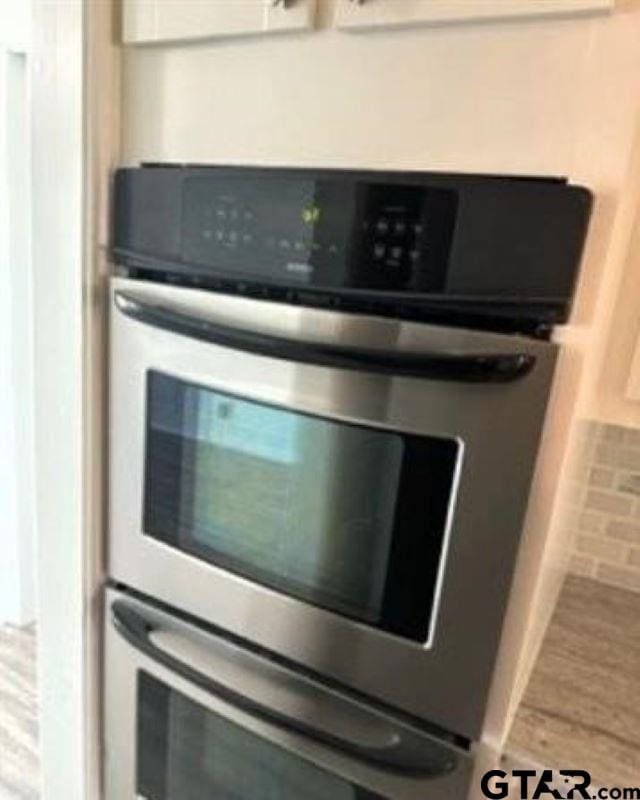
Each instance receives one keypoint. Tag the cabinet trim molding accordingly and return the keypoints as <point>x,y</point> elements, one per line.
<point>176,21</point>
<point>359,15</point>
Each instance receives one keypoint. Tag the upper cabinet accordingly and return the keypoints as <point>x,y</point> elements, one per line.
<point>363,14</point>
<point>147,21</point>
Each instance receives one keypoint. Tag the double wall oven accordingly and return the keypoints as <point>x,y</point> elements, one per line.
<point>320,463</point>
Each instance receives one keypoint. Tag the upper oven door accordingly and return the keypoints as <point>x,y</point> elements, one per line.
<point>347,491</point>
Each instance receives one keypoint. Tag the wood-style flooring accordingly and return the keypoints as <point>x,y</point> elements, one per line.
<point>19,759</point>
<point>581,709</point>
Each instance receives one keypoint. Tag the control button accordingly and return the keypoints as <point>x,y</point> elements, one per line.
<point>333,249</point>
<point>207,234</point>
<point>285,244</point>
<point>396,253</point>
<point>418,228</point>
<point>222,214</point>
<point>414,255</point>
<point>316,247</point>
<point>379,251</point>
<point>382,226</point>
<point>300,246</point>
<point>233,237</point>
<point>248,215</point>
<point>219,235</point>
<point>247,238</point>
<point>400,227</point>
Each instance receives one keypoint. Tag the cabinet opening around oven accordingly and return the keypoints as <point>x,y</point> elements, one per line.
<point>350,518</point>
<point>186,751</point>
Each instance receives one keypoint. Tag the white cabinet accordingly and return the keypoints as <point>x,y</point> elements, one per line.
<point>146,21</point>
<point>363,14</point>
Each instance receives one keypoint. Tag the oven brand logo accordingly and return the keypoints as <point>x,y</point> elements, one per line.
<point>564,784</point>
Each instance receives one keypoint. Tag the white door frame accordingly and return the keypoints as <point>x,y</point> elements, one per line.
<point>17,558</point>
<point>75,107</point>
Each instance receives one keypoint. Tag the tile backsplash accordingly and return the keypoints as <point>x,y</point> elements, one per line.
<point>605,513</point>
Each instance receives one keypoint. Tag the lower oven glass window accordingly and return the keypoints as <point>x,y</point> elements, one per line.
<point>347,517</point>
<point>185,752</point>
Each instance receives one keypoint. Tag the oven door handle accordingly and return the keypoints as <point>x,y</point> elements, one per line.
<point>460,367</point>
<point>243,679</point>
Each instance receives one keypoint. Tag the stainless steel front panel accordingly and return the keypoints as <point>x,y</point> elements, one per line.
<point>444,679</point>
<point>124,662</point>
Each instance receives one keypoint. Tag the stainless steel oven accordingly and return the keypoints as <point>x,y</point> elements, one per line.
<point>343,490</point>
<point>193,716</point>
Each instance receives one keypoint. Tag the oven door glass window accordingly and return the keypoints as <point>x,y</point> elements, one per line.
<point>185,752</point>
<point>343,516</point>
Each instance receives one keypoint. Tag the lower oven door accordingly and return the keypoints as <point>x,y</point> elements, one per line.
<point>192,716</point>
<point>346,491</point>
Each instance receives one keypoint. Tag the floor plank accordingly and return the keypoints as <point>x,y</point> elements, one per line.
<point>19,756</point>
<point>582,706</point>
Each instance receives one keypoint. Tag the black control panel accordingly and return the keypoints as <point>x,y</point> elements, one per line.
<point>489,248</point>
<point>319,232</point>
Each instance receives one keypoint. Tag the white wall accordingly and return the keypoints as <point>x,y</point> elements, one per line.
<point>521,97</point>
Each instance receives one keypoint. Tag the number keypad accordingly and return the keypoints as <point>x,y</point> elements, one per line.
<point>395,241</point>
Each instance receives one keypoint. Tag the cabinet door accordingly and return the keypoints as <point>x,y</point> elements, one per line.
<point>186,20</point>
<point>363,14</point>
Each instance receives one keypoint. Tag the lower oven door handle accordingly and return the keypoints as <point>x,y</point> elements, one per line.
<point>264,689</point>
<point>461,367</point>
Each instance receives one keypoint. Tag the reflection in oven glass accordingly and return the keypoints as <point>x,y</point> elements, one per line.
<point>295,495</point>
<point>186,752</point>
